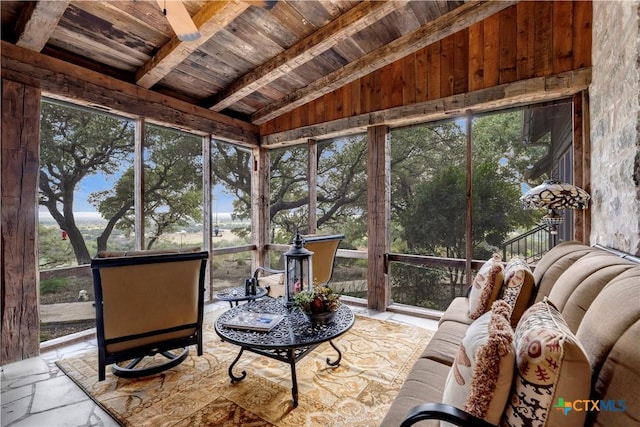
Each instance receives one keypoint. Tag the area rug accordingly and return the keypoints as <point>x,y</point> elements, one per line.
<point>377,356</point>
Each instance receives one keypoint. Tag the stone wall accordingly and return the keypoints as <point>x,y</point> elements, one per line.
<point>615,125</point>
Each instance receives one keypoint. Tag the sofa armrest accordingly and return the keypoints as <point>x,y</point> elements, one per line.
<point>441,411</point>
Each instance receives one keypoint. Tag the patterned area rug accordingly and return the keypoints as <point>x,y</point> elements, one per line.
<point>377,357</point>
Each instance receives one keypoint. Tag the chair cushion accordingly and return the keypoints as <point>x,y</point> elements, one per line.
<point>480,378</point>
<point>552,369</point>
<point>273,282</point>
<point>518,287</point>
<point>486,286</point>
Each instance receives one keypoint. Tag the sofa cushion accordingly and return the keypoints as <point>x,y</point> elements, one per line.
<point>424,383</point>
<point>486,286</point>
<point>581,283</point>
<point>610,333</point>
<point>554,263</point>
<point>551,369</point>
<point>444,344</point>
<point>518,287</point>
<point>480,378</point>
<point>457,311</point>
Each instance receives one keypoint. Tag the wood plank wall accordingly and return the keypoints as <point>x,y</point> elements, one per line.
<point>530,39</point>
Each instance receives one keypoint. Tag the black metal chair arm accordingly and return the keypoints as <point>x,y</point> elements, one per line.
<point>443,412</point>
<point>267,269</point>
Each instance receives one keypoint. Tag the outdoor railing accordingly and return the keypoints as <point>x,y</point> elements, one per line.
<point>351,278</point>
<point>531,245</point>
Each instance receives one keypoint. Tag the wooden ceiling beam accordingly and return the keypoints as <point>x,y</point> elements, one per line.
<point>354,20</point>
<point>213,17</point>
<point>441,27</point>
<point>63,80</point>
<point>508,95</point>
<point>37,22</point>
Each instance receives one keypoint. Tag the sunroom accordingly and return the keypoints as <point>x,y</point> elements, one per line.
<point>412,128</point>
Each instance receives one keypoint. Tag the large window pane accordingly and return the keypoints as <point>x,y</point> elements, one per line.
<point>512,152</point>
<point>86,160</point>
<point>289,192</point>
<point>231,194</point>
<point>86,192</point>
<point>231,210</point>
<point>342,206</point>
<point>172,189</point>
<point>428,208</point>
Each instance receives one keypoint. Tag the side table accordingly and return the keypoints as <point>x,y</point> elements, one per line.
<point>236,294</point>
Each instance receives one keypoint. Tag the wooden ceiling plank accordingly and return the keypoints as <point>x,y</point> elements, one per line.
<point>37,22</point>
<point>213,17</point>
<point>67,81</point>
<point>354,20</point>
<point>444,26</point>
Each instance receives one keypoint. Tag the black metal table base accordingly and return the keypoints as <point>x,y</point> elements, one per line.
<point>290,356</point>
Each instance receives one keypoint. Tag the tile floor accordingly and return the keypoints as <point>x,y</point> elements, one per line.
<point>36,393</point>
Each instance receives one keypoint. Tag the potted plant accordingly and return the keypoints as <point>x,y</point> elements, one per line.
<point>319,304</point>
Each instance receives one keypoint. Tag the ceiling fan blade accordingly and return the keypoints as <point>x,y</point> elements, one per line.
<point>179,19</point>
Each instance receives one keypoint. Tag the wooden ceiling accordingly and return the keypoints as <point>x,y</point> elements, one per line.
<point>254,61</point>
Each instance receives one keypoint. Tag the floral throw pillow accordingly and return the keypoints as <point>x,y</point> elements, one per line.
<point>480,378</point>
<point>551,369</point>
<point>486,286</point>
<point>518,287</point>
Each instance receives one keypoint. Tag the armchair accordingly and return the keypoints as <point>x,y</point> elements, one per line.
<point>147,304</point>
<point>324,248</point>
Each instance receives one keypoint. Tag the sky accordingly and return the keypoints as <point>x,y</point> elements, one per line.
<point>223,202</point>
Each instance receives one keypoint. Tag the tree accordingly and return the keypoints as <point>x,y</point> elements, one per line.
<point>74,144</point>
<point>341,183</point>
<point>172,187</point>
<point>77,143</point>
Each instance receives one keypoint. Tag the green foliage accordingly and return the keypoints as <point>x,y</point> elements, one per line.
<point>342,186</point>
<point>319,299</point>
<point>52,250</point>
<point>51,286</point>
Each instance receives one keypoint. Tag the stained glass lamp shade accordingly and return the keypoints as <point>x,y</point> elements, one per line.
<point>553,195</point>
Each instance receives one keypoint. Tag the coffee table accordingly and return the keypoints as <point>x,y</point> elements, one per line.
<point>237,294</point>
<point>289,341</point>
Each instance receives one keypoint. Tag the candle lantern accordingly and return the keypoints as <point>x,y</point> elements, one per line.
<point>298,271</point>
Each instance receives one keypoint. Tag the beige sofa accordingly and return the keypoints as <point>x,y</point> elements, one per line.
<point>598,293</point>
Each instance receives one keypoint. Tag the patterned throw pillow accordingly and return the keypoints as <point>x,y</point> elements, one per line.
<point>552,369</point>
<point>518,287</point>
<point>480,378</point>
<point>486,286</point>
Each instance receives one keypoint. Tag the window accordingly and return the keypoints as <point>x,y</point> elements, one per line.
<point>289,193</point>
<point>231,212</point>
<point>511,151</point>
<point>428,209</point>
<point>86,172</point>
<point>342,207</point>
<point>172,189</point>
